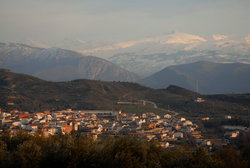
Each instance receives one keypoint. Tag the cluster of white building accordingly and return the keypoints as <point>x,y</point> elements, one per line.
<point>100,123</point>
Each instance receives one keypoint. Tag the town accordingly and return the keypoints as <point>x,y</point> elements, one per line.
<point>168,130</point>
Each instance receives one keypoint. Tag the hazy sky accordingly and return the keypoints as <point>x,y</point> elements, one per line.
<point>55,20</point>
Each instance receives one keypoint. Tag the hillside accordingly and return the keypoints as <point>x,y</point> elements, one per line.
<point>24,92</point>
<point>206,77</point>
<point>56,64</point>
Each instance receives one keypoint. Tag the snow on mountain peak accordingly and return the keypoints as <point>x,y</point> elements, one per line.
<point>54,53</point>
<point>218,37</point>
<point>247,39</point>
<point>17,49</point>
<point>132,43</point>
<point>182,38</point>
<point>227,43</point>
<point>174,38</point>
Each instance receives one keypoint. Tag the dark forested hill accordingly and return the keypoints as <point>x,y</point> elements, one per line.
<point>24,92</point>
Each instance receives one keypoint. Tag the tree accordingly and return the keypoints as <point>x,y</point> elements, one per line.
<point>28,155</point>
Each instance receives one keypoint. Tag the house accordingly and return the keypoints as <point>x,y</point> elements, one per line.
<point>206,143</point>
<point>10,103</point>
<point>49,131</point>
<point>205,118</point>
<point>167,116</point>
<point>46,112</point>
<point>25,121</point>
<point>182,119</point>
<point>75,126</point>
<point>161,135</point>
<point>134,117</point>
<point>31,127</point>
<point>196,134</point>
<point>164,144</point>
<point>103,113</point>
<point>144,115</point>
<point>232,127</point>
<point>177,127</point>
<point>24,115</point>
<point>17,123</point>
<point>187,123</point>
<point>14,111</point>
<point>232,134</point>
<point>149,136</point>
<point>140,122</point>
<point>228,117</point>
<point>199,100</point>
<point>178,135</point>
<point>39,115</point>
<point>156,117</point>
<point>6,123</point>
<point>68,128</point>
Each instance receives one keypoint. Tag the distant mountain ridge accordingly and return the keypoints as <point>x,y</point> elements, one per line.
<point>57,64</point>
<point>204,77</point>
<point>149,55</point>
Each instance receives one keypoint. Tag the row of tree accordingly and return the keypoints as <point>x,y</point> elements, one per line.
<point>23,150</point>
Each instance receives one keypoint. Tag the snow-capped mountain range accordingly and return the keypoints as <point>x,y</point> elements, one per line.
<point>149,55</point>
<point>150,61</point>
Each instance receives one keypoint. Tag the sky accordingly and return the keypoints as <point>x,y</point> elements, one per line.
<point>120,20</point>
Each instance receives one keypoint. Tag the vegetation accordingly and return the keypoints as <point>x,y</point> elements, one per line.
<point>23,150</point>
<point>32,94</point>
